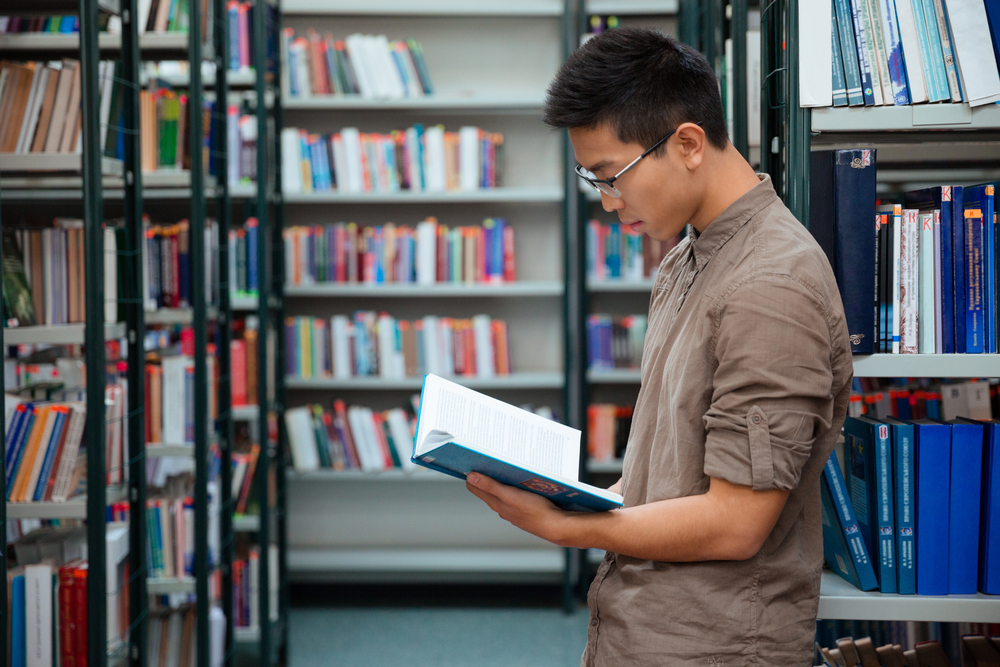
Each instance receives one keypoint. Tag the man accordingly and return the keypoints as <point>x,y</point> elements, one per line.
<point>715,558</point>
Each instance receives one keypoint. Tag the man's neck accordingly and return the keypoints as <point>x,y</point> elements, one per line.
<point>729,178</point>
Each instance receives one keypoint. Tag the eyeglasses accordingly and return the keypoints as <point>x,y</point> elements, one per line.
<point>606,185</point>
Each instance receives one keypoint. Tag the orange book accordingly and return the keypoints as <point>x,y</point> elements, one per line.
<point>238,372</point>
<point>30,454</point>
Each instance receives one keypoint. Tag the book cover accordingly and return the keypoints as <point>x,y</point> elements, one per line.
<point>940,199</point>
<point>18,304</point>
<point>932,477</point>
<point>930,50</point>
<point>982,197</point>
<point>895,266</point>
<point>989,512</point>
<point>869,450</point>
<point>843,545</point>
<point>974,306</point>
<point>849,53</point>
<point>967,443</point>
<point>909,267</point>
<point>927,310</point>
<point>904,504</point>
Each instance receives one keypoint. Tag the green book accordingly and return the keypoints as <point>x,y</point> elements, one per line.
<point>18,306</point>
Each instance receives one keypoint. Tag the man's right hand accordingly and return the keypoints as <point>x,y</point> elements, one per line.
<point>616,487</point>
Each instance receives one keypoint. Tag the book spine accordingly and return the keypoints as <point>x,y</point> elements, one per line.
<point>989,272</point>
<point>861,44</point>
<point>927,311</point>
<point>884,519</point>
<point>856,543</point>
<point>974,281</point>
<point>837,61</point>
<point>895,267</point>
<point>964,508</point>
<point>944,31</point>
<point>903,460</point>
<point>909,282</point>
<point>938,295</point>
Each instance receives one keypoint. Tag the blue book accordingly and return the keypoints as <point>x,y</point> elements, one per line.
<point>861,42</point>
<point>983,198</point>
<point>869,450</point>
<point>937,84</point>
<point>251,230</point>
<point>939,199</point>
<point>843,546</point>
<point>967,439</point>
<point>903,441</point>
<point>959,274</point>
<point>894,50</point>
<point>20,446</point>
<point>13,437</point>
<point>613,252</point>
<point>839,82</point>
<point>993,16</point>
<point>932,465</point>
<point>51,448</point>
<point>849,52</point>
<point>844,229</point>
<point>18,627</point>
<point>989,513</point>
<point>974,301</point>
<point>460,431</point>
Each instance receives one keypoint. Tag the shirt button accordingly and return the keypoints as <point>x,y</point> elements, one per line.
<point>756,419</point>
<point>594,622</point>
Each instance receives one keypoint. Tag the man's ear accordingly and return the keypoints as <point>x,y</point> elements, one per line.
<point>692,143</point>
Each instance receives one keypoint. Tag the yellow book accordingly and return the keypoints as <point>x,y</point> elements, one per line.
<point>306,361</point>
<point>30,454</point>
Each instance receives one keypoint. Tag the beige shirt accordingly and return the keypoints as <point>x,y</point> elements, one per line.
<point>746,374</point>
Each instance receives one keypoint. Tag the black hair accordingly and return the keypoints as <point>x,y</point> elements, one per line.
<point>640,83</point>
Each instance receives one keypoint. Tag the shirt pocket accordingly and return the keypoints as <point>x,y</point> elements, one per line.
<point>761,462</point>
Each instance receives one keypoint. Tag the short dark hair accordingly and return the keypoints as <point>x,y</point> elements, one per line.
<point>639,82</point>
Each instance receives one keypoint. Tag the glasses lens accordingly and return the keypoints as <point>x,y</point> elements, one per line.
<point>609,190</point>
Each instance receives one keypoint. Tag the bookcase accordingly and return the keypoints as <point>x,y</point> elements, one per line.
<point>490,63</point>
<point>922,145</point>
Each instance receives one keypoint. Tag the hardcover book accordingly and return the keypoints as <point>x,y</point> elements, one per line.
<point>843,546</point>
<point>905,505</point>
<point>967,440</point>
<point>460,431</point>
<point>870,457</point>
<point>932,464</point>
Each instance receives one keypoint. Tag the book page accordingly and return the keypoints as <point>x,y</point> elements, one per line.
<point>496,427</point>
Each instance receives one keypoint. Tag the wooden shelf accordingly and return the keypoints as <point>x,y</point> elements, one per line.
<point>616,376</point>
<point>523,288</point>
<point>57,334</point>
<point>840,600</point>
<point>540,195</point>
<point>493,102</point>
<point>511,8</point>
<point>927,365</point>
<point>514,381</point>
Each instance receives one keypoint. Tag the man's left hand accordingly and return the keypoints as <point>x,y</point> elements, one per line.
<point>528,511</point>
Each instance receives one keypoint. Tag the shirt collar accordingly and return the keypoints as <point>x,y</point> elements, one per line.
<point>730,221</point>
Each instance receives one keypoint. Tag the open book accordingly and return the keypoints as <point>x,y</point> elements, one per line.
<point>461,431</point>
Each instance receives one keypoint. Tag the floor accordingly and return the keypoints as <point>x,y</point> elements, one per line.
<point>459,626</point>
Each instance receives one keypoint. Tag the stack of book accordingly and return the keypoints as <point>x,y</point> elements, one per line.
<point>163,121</point>
<point>244,466</point>
<point>906,52</point>
<point>430,253</point>
<point>608,426</point>
<point>167,269</point>
<point>416,159</point>
<point>349,438</point>
<point>171,638</point>
<point>615,252</point>
<point>11,25</point>
<point>372,344</point>
<point>40,112</point>
<point>42,443</point>
<point>243,363</point>
<point>48,595</point>
<point>243,259</point>
<point>246,587</point>
<point>978,399</point>
<point>170,547</point>
<point>364,65</point>
<point>615,341</point>
<point>917,511</point>
<point>930,260</point>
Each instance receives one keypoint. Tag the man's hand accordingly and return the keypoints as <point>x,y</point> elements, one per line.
<point>528,511</point>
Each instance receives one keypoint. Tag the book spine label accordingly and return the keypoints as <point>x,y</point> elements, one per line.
<point>884,519</point>
<point>855,541</point>
<point>861,44</point>
<point>974,281</point>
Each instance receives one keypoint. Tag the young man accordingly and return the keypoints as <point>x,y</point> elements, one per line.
<point>715,558</point>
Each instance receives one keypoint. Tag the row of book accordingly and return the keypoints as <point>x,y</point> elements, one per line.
<point>427,254</point>
<point>415,159</point>
<point>243,351</point>
<point>902,633</point>
<point>912,51</point>
<point>976,651</point>
<point>917,510</point>
<point>168,268</point>
<point>977,399</point>
<point>246,588</point>
<point>608,426</point>
<point>615,341</point>
<point>931,262</point>
<point>366,65</point>
<point>164,137</point>
<point>169,414</point>
<point>47,600</point>
<point>170,537</point>
<point>371,344</point>
<point>615,252</point>
<point>40,107</point>
<point>243,246</point>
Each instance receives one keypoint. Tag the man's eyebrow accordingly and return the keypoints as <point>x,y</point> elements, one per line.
<point>597,167</point>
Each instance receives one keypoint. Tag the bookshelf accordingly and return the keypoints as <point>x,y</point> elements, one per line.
<point>552,380</point>
<point>521,288</point>
<point>504,195</point>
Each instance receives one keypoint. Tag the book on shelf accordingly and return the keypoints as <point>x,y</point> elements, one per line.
<point>843,545</point>
<point>244,465</point>
<point>368,66</point>
<point>170,390</point>
<point>416,159</point>
<point>167,264</point>
<point>371,344</point>
<point>164,137</point>
<point>243,351</point>
<point>615,341</point>
<point>884,53</point>
<point>246,588</point>
<point>752,67</point>
<point>460,431</point>
<point>608,426</point>
<point>243,245</point>
<point>426,254</point>
<point>40,109</point>
<point>615,252</point>
<point>239,26</point>
<point>170,537</point>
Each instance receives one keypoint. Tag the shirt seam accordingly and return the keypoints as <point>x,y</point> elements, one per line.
<point>738,223</point>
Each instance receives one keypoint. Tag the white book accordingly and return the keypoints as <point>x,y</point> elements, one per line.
<point>925,313</point>
<point>970,32</point>
<point>299,52</point>
<point>38,615</point>
<point>340,164</point>
<point>386,347</point>
<point>174,400</point>
<point>909,263</point>
<point>815,54</point>
<point>217,634</point>
<point>375,68</point>
<point>368,451</point>
<point>357,52</point>
<point>375,438</point>
<point>233,166</point>
<point>175,631</point>
<point>291,162</point>
<point>272,575</point>
<point>432,357</point>
<point>301,440</point>
<point>485,363</point>
<point>67,464</point>
<point>401,439</point>
<point>468,158</point>
<point>426,253</point>
<point>163,508</point>
<point>434,164</point>
<point>39,79</point>
<point>446,349</point>
<point>143,12</point>
<point>352,156</point>
<point>255,587</point>
<point>938,314</point>
<point>392,76</point>
<point>870,51</point>
<point>110,275</point>
<point>340,342</point>
<point>916,69</point>
<point>753,92</point>
<point>461,431</point>
<point>875,23</point>
<point>107,94</point>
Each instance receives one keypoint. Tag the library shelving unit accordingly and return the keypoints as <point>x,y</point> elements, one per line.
<point>941,139</point>
<point>88,169</point>
<point>490,63</point>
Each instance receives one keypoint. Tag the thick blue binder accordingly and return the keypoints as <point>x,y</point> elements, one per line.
<point>903,442</point>
<point>967,440</point>
<point>933,477</point>
<point>869,455</point>
<point>989,513</point>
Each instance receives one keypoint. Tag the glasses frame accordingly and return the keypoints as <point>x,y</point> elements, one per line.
<point>606,185</point>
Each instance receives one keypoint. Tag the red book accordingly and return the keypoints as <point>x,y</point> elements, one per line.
<point>238,371</point>
<point>470,350</point>
<point>383,442</point>
<point>340,246</point>
<point>67,633</point>
<point>480,237</point>
<point>442,254</point>
<point>458,347</point>
<point>508,253</point>
<point>248,479</point>
<point>78,613</point>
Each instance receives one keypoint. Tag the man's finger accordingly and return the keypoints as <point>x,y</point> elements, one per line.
<point>485,496</point>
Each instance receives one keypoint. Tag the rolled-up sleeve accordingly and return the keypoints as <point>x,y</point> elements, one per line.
<point>773,385</point>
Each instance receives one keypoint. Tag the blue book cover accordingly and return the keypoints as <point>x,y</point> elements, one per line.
<point>894,49</point>
<point>903,477</point>
<point>967,440</point>
<point>836,551</point>
<point>939,199</point>
<point>861,42</point>
<point>18,628</point>
<point>974,300</point>
<point>20,446</point>
<point>13,437</point>
<point>937,84</point>
<point>993,16</point>
<point>837,61</point>
<point>843,520</point>
<point>959,295</point>
<point>870,453</point>
<point>849,52</point>
<point>844,229</point>
<point>989,513</point>
<point>50,454</point>
<point>983,197</point>
<point>252,254</point>
<point>932,465</point>
<point>613,252</point>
